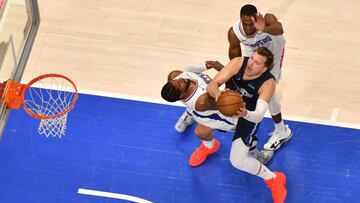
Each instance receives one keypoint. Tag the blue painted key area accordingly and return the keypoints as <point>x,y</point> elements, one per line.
<point>131,148</point>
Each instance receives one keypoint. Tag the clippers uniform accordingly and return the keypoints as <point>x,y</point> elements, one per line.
<point>210,118</point>
<point>246,130</point>
<point>275,43</point>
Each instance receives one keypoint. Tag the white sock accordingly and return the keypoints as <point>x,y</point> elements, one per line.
<point>265,173</point>
<point>280,127</point>
<point>208,144</point>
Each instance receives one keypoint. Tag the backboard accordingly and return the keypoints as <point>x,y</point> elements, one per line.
<point>19,23</point>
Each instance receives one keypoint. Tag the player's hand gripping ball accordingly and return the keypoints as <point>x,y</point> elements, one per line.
<point>229,102</point>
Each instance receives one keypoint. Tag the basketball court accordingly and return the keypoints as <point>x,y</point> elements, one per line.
<point>120,144</point>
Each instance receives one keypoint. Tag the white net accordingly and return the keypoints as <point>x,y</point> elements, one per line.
<point>50,99</point>
<point>53,126</point>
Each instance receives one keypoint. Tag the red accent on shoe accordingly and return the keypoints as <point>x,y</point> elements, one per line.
<point>277,186</point>
<point>201,153</point>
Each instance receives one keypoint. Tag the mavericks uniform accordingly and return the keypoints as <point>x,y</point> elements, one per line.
<point>210,118</point>
<point>246,130</point>
<point>275,43</point>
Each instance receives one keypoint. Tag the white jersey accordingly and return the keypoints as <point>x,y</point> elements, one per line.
<point>210,118</point>
<point>275,43</point>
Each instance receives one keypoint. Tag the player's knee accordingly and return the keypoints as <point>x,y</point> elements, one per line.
<point>239,161</point>
<point>203,132</point>
<point>198,132</point>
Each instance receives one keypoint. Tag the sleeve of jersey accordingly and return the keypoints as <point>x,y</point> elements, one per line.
<point>195,68</point>
<point>257,115</point>
<point>191,102</point>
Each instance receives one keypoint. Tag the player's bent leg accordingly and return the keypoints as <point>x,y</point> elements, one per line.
<point>209,145</point>
<point>262,156</point>
<point>185,120</point>
<point>241,159</point>
<point>276,181</point>
<point>282,132</point>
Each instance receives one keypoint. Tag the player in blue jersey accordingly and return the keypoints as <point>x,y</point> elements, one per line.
<point>253,80</point>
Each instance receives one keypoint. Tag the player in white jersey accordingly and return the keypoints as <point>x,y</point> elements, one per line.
<point>254,30</point>
<point>275,43</point>
<point>190,89</point>
<point>200,99</point>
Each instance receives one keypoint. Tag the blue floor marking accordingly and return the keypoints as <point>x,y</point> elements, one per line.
<point>131,148</point>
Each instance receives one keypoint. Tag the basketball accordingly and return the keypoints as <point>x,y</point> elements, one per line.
<point>229,102</point>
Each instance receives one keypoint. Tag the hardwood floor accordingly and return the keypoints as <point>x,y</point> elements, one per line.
<point>129,47</point>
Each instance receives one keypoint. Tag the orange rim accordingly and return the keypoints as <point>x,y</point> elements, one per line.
<point>50,75</point>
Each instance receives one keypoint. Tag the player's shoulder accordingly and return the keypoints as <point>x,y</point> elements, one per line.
<point>231,31</point>
<point>270,81</point>
<point>238,59</point>
<point>232,37</point>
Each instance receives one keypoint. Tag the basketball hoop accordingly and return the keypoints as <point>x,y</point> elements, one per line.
<point>47,97</point>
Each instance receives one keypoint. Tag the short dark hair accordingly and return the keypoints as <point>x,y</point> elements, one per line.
<point>248,10</point>
<point>170,93</point>
<point>263,51</point>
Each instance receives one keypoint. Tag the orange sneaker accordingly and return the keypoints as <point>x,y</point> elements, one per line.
<point>201,153</point>
<point>277,187</point>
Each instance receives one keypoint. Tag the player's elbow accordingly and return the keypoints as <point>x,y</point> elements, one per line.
<point>280,28</point>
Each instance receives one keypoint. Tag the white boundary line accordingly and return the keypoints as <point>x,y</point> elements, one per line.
<point>111,195</point>
<point>331,122</point>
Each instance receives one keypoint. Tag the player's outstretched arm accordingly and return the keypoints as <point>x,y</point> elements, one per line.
<point>214,65</point>
<point>224,75</point>
<point>234,44</point>
<point>268,24</point>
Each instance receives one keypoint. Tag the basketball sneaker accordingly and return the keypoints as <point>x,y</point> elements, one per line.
<point>277,139</point>
<point>201,153</point>
<point>183,122</point>
<point>277,186</point>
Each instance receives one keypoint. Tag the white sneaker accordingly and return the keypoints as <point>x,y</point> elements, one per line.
<point>184,121</point>
<point>277,139</point>
<point>265,156</point>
